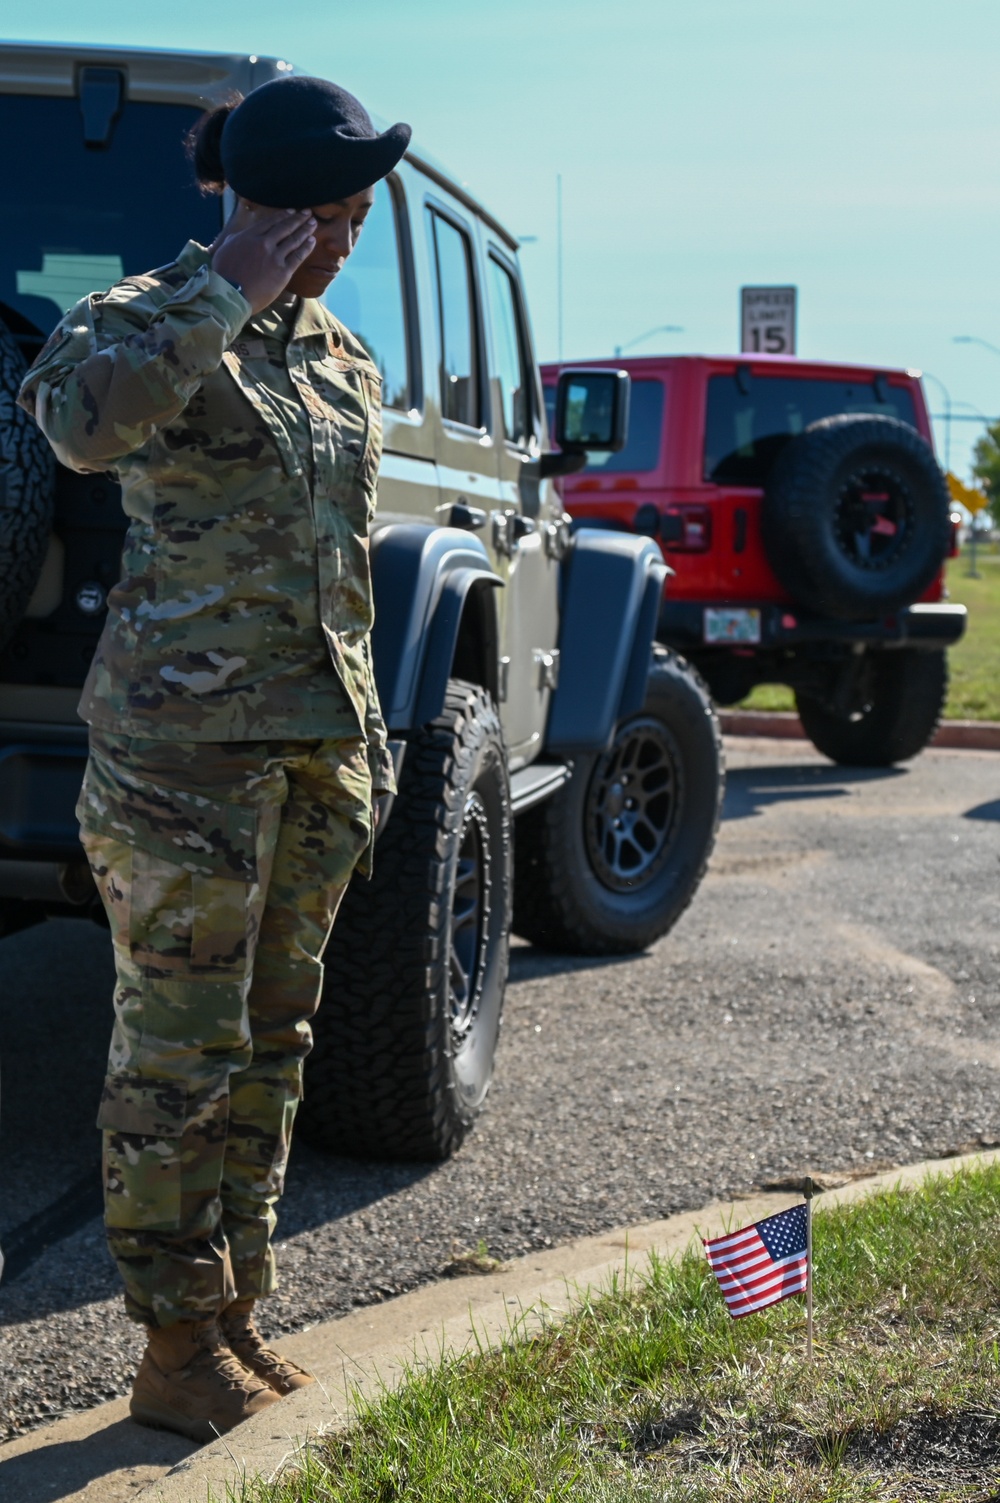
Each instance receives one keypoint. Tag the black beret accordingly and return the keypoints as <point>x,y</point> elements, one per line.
<point>297,142</point>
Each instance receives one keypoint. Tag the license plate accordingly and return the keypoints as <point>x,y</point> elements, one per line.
<point>732,625</point>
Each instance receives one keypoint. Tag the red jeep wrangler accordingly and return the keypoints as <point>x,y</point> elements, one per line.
<point>806,520</point>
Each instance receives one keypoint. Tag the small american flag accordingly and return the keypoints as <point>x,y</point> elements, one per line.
<point>761,1264</point>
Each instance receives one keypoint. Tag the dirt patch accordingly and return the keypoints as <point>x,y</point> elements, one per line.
<point>655,1435</point>
<point>921,1455</point>
<point>469,1260</point>
<point>770,867</point>
<point>960,1447</point>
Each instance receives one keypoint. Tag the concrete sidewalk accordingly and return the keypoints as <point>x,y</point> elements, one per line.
<point>100,1456</point>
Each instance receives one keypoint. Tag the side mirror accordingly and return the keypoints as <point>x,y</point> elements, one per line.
<point>591,415</point>
<point>592,410</point>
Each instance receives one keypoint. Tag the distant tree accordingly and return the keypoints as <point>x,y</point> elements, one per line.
<point>986,464</point>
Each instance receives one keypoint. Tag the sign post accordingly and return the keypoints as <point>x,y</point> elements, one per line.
<point>767,320</point>
<point>974,501</point>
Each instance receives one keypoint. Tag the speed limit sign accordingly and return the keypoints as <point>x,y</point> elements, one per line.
<point>767,320</point>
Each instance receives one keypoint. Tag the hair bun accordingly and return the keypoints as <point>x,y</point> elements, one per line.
<point>204,146</point>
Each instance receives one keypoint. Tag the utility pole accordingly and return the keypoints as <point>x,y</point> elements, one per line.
<point>559,264</point>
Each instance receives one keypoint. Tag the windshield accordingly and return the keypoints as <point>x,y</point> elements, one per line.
<point>645,423</point>
<point>76,219</point>
<point>750,418</point>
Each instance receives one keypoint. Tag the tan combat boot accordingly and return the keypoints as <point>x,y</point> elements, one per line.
<point>189,1381</point>
<point>246,1342</point>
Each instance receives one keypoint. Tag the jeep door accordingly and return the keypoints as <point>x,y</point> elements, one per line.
<point>457,389</point>
<point>459,402</point>
<point>527,528</point>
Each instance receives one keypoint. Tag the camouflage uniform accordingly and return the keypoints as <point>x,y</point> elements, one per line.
<point>236,739</point>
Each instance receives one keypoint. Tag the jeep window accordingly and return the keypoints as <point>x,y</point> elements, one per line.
<point>459,346</point>
<point>367,296</point>
<point>645,427</point>
<point>76,219</point>
<point>749,418</point>
<point>511,370</point>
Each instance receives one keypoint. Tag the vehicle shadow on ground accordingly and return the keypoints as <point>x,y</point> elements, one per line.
<point>323,1187</point>
<point>56,982</point>
<point>529,963</point>
<point>989,810</point>
<point>751,790</point>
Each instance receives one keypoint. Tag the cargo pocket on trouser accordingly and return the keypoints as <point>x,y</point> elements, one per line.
<point>143,1123</point>
<point>193,865</point>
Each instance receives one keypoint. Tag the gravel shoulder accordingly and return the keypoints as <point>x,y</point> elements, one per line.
<point>829,1002</point>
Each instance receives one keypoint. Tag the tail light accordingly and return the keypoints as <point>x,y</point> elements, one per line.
<point>955,518</point>
<point>687,529</point>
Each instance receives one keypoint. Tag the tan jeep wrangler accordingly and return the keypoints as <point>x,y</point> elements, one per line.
<point>554,776</point>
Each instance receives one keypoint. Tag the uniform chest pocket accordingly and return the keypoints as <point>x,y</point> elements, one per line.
<point>349,396</point>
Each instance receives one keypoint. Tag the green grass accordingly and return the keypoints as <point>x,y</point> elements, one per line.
<point>974,691</point>
<point>651,1392</point>
<point>768,697</point>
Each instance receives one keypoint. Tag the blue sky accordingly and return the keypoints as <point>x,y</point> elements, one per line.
<point>851,147</point>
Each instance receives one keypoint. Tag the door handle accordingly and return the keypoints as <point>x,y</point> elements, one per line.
<point>503,538</point>
<point>471,518</point>
<point>509,527</point>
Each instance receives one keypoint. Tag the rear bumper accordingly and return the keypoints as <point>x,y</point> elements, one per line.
<point>926,626</point>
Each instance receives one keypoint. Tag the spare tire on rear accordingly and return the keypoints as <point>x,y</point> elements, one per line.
<point>855,517</point>
<point>27,486</point>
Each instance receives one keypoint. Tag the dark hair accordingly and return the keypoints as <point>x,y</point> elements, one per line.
<point>203,144</point>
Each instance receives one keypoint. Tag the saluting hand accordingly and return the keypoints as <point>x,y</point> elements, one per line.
<point>262,249</point>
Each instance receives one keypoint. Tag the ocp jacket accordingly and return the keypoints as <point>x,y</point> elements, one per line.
<point>245,606</point>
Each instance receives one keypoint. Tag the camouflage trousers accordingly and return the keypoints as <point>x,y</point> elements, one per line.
<point>221,868</point>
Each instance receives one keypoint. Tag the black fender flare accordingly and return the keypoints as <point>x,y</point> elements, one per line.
<point>421,579</point>
<point>610,593</point>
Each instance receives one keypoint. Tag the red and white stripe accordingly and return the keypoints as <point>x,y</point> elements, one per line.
<point>750,1279</point>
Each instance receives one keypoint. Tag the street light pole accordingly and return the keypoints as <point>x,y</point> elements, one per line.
<point>947,416</point>
<point>974,339</point>
<point>660,329</point>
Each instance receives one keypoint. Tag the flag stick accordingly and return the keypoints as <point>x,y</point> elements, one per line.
<point>808,1188</point>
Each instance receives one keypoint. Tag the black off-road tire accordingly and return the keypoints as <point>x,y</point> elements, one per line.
<point>416,967</point>
<point>855,517</point>
<point>27,490</point>
<point>593,878</point>
<point>904,702</point>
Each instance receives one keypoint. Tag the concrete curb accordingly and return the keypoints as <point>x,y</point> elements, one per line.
<point>99,1456</point>
<point>974,735</point>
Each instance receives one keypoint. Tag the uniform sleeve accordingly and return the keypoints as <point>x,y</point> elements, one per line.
<point>379,756</point>
<point>121,365</point>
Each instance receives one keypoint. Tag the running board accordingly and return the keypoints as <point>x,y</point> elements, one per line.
<point>533,784</point>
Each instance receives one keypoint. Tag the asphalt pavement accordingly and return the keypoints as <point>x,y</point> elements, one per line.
<point>829,1002</point>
